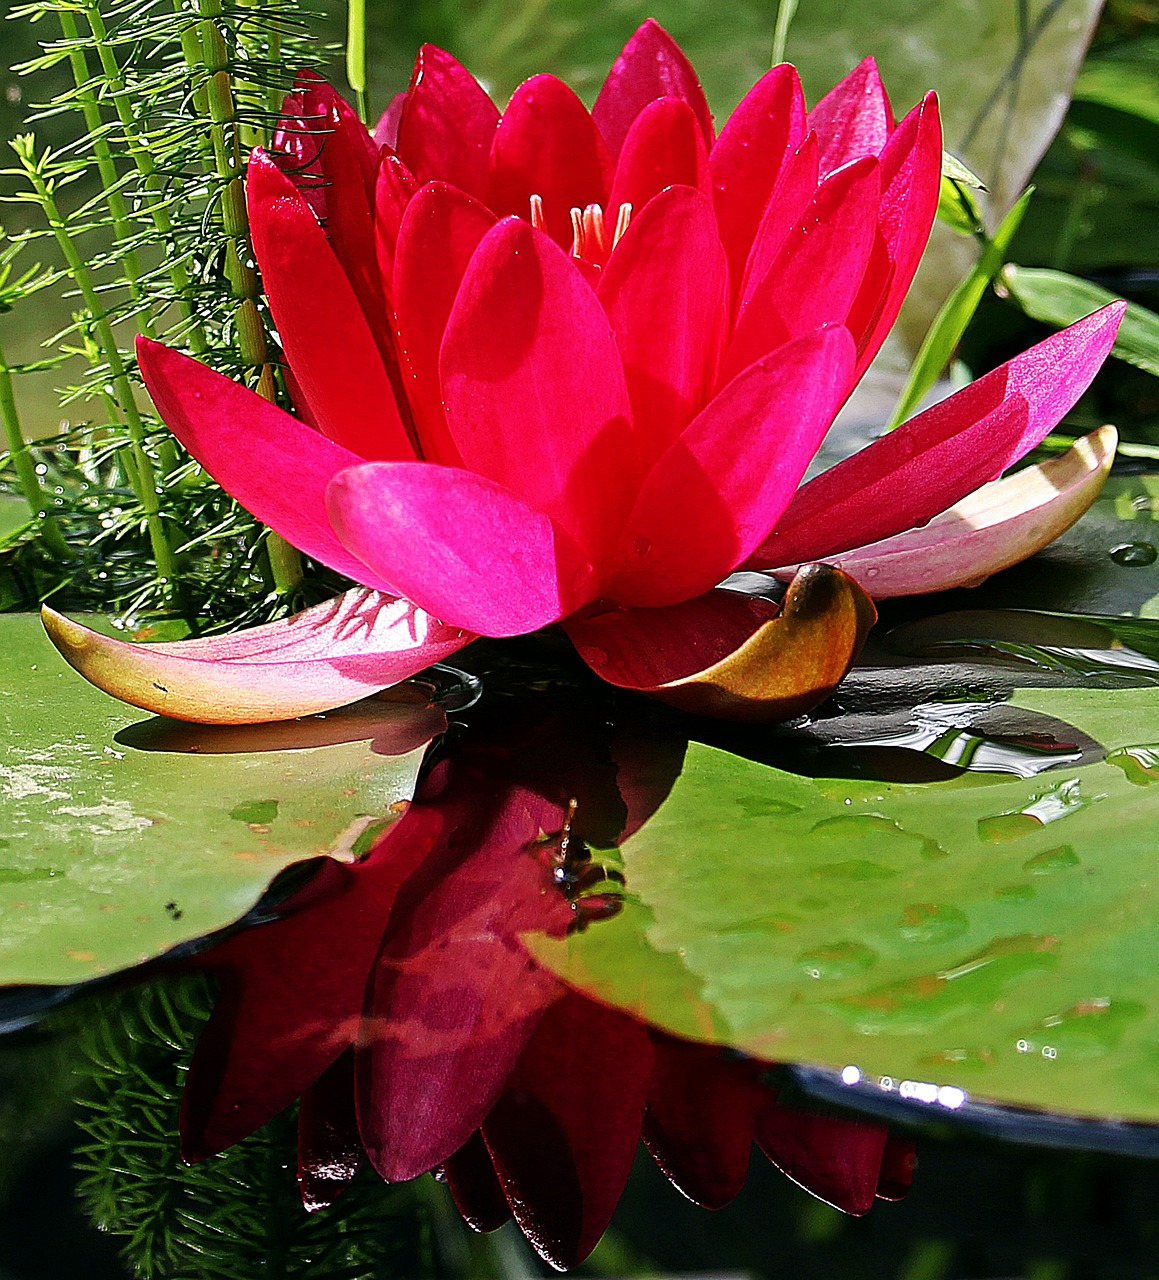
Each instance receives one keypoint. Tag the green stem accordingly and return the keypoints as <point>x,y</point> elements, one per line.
<point>786,10</point>
<point>25,467</point>
<point>154,192</point>
<point>114,198</point>
<point>147,492</point>
<point>285,562</point>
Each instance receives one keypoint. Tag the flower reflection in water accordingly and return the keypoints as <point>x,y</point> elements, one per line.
<point>395,999</point>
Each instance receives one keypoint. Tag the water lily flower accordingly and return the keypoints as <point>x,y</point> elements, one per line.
<point>395,998</point>
<point>560,366</point>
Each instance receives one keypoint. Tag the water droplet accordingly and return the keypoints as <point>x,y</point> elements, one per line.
<point>1134,555</point>
<point>838,960</point>
<point>641,547</point>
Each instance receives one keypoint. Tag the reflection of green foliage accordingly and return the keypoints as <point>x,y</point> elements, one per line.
<point>233,1217</point>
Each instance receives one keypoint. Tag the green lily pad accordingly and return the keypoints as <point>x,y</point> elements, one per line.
<point>122,835</point>
<point>951,877</point>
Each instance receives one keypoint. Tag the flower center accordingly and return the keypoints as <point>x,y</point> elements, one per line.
<point>590,241</point>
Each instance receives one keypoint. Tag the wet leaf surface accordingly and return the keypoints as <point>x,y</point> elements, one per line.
<point>122,835</point>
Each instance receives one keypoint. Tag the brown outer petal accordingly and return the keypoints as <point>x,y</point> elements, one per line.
<point>786,666</point>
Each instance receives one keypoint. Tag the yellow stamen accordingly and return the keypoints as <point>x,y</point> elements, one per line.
<point>538,221</point>
<point>623,218</point>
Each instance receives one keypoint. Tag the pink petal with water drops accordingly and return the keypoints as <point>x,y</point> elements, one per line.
<point>815,276</point>
<point>547,146</point>
<point>714,494</point>
<point>665,290</point>
<point>996,526</point>
<point>910,475</point>
<point>447,124</point>
<point>764,130</point>
<point>911,177</point>
<point>226,427</point>
<point>664,146</point>
<point>795,188</point>
<point>441,229</point>
<point>324,332</point>
<point>463,547</point>
<point>534,387</point>
<point>854,118</point>
<point>650,66</point>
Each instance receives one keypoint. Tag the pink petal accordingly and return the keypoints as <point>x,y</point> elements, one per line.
<point>440,231</point>
<point>665,290</point>
<point>346,169</point>
<point>911,177</point>
<point>386,130</point>
<point>325,335</point>
<point>764,130</point>
<point>462,544</point>
<point>996,526</point>
<point>534,387</point>
<point>898,1162</point>
<point>547,145</point>
<point>794,190</point>
<point>476,1191</point>
<point>275,466</point>
<point>836,1158</point>
<point>699,1123</point>
<point>854,119</point>
<point>563,1134</point>
<point>910,475</point>
<point>650,66</point>
<point>447,123</point>
<point>664,146</point>
<point>815,277</point>
<point>329,1149</point>
<point>714,494</point>
<point>454,998</point>
<point>333,654</point>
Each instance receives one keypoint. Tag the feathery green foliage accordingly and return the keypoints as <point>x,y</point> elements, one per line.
<point>238,1214</point>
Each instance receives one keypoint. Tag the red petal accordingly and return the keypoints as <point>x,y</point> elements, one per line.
<point>795,189</point>
<point>328,656</point>
<point>764,130</point>
<point>447,123</point>
<point>386,130</point>
<point>454,997</point>
<point>325,335</point>
<point>563,1135</point>
<point>815,277</point>
<point>734,468</point>
<point>898,1162</point>
<point>472,1182</point>
<point>651,65</point>
<point>440,231</point>
<point>664,146</point>
<point>291,996</point>
<point>699,1122</point>
<point>836,1158</point>
<point>546,145</point>
<point>393,192</point>
<point>911,178</point>
<point>665,290</point>
<point>461,544</point>
<point>731,656</point>
<point>907,477</point>
<point>329,1149</point>
<point>854,118</point>
<point>275,466</point>
<point>534,387</point>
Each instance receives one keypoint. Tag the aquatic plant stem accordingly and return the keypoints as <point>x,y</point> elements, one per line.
<point>146,486</point>
<point>253,346</point>
<point>24,466</point>
<point>153,193</point>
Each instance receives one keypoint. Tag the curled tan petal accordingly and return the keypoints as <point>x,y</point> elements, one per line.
<point>996,526</point>
<point>325,657</point>
<point>734,657</point>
